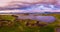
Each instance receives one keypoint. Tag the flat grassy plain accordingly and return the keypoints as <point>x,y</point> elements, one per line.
<point>10,23</point>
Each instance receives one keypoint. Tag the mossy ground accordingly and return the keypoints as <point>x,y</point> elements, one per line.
<point>8,23</point>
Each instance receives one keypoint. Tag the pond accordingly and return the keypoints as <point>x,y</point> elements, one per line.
<point>39,18</point>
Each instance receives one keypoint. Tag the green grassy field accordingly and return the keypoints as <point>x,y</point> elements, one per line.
<point>9,23</point>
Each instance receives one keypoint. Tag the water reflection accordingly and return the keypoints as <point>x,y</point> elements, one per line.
<point>39,18</point>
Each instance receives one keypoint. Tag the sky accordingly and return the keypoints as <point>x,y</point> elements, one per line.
<point>28,6</point>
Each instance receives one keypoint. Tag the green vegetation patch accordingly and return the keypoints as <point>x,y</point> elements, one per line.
<point>26,25</point>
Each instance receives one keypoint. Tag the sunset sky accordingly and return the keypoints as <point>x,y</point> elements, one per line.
<point>34,8</point>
